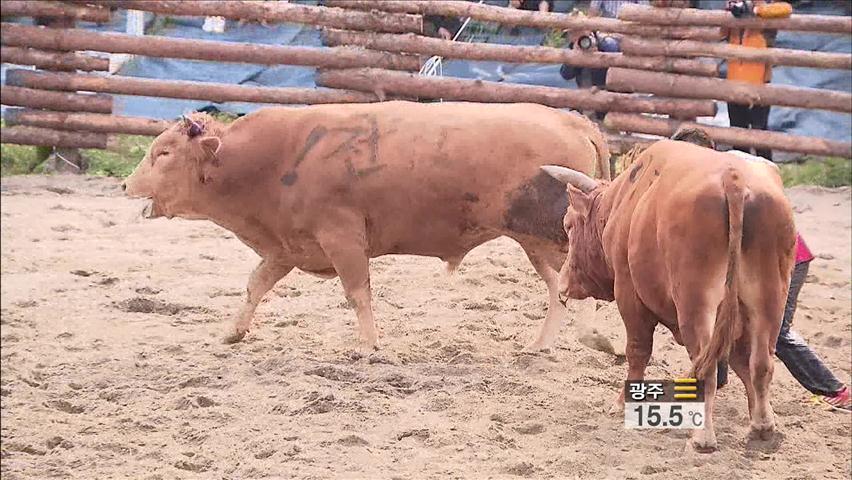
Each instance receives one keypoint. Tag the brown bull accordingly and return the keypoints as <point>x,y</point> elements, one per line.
<point>698,240</point>
<point>326,188</point>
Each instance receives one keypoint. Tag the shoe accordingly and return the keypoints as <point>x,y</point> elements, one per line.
<point>841,400</point>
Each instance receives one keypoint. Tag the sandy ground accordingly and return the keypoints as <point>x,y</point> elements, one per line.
<point>112,366</point>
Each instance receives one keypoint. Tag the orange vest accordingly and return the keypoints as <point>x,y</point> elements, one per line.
<point>750,72</point>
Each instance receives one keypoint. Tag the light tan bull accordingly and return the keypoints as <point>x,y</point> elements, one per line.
<point>698,240</point>
<point>326,188</point>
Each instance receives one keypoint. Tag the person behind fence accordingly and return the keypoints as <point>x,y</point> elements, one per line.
<point>802,362</point>
<point>595,42</point>
<point>441,27</point>
<point>534,5</point>
<point>589,77</point>
<point>755,73</point>
<point>610,8</point>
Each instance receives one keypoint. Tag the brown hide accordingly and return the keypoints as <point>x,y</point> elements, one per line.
<point>398,177</point>
<point>698,240</point>
<point>669,204</point>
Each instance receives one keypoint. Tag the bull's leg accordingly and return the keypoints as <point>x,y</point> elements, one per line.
<point>739,361</point>
<point>761,367</point>
<point>346,247</point>
<point>696,325</point>
<point>555,310</point>
<point>262,279</point>
<point>639,323</point>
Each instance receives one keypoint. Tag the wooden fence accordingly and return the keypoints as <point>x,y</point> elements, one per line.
<point>373,51</point>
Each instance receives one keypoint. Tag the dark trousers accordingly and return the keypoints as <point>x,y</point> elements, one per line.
<point>755,117</point>
<point>805,366</point>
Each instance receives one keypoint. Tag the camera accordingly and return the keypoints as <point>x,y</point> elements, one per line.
<point>741,8</point>
<point>586,42</point>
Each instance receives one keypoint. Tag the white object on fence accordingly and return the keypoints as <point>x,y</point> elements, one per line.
<point>214,24</point>
<point>135,26</point>
<point>434,66</point>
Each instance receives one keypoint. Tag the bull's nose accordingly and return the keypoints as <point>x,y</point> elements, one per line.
<point>123,187</point>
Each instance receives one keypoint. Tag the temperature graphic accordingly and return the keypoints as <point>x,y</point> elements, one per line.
<point>664,415</point>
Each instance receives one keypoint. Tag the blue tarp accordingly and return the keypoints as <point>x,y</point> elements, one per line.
<point>830,125</point>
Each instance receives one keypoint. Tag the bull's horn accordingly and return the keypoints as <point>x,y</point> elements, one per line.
<point>573,177</point>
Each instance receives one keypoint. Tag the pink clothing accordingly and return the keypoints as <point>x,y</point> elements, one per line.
<point>803,253</point>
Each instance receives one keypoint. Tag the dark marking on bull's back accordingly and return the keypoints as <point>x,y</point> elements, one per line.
<point>470,197</point>
<point>635,171</point>
<point>365,172</point>
<point>537,208</point>
<point>289,178</point>
<point>374,139</point>
<point>316,134</point>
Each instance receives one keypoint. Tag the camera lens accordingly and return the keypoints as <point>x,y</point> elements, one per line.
<point>585,42</point>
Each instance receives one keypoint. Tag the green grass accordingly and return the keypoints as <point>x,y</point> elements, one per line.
<point>19,159</point>
<point>120,162</point>
<point>555,38</point>
<point>825,172</point>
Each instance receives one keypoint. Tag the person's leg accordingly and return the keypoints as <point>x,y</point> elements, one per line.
<point>721,374</point>
<point>739,116</point>
<point>760,121</point>
<point>805,366</point>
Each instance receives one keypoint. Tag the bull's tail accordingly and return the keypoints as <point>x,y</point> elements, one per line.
<point>602,155</point>
<point>728,315</point>
<point>597,142</point>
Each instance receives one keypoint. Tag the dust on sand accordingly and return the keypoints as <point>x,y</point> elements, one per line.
<point>112,364</point>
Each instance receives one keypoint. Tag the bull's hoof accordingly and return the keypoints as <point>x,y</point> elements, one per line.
<point>366,347</point>
<point>702,447</point>
<point>762,432</point>
<point>539,346</point>
<point>702,442</point>
<point>233,338</point>
<point>616,409</point>
<point>536,347</point>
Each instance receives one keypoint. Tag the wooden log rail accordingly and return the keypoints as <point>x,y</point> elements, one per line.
<point>684,86</point>
<point>507,16</point>
<point>46,137</point>
<point>52,60</point>
<point>410,43</point>
<point>275,12</point>
<point>17,8</point>
<point>73,102</point>
<point>739,137</point>
<point>213,92</point>
<point>411,85</point>
<point>721,18</point>
<point>773,56</point>
<point>191,49</point>
<point>87,122</point>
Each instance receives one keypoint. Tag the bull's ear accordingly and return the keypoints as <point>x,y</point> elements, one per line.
<point>211,144</point>
<point>578,200</point>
